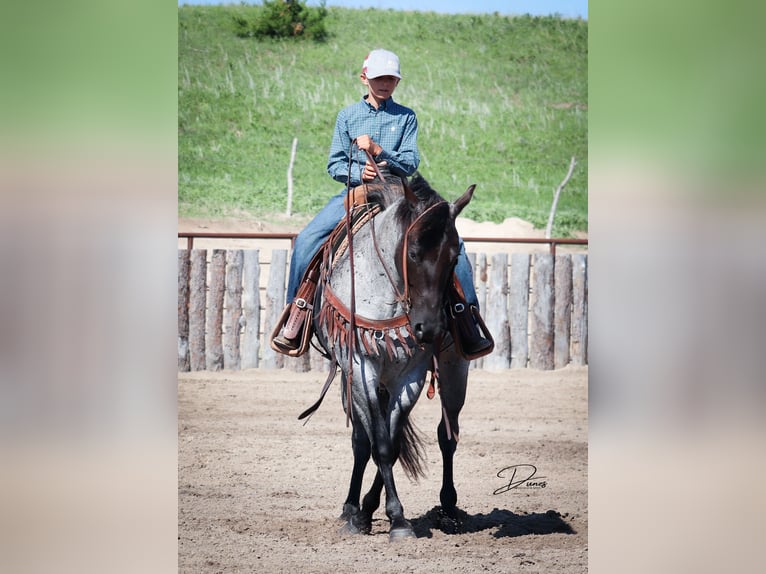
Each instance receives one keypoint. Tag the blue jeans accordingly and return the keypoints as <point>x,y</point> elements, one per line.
<point>308,242</point>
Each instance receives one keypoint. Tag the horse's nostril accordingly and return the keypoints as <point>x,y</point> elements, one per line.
<point>423,333</point>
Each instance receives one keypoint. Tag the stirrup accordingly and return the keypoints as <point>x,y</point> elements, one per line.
<point>468,326</point>
<point>296,318</point>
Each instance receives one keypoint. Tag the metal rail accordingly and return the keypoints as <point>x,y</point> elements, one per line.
<point>553,242</point>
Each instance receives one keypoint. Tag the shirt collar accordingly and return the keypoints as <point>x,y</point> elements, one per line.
<point>383,105</point>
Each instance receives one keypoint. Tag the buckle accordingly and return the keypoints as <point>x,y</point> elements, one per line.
<point>458,307</point>
<point>300,302</point>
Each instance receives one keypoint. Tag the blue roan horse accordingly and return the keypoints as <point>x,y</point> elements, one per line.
<point>384,328</point>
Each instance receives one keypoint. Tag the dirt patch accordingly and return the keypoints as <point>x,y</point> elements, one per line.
<point>260,492</point>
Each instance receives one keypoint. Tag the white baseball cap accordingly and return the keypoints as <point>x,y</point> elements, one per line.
<point>381,63</point>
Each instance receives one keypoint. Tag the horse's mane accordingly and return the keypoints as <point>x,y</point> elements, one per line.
<point>427,196</point>
<point>423,190</point>
<point>391,191</point>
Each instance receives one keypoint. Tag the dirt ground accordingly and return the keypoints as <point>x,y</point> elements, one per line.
<point>260,492</point>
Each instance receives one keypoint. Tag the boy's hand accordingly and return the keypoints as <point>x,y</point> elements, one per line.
<point>365,143</point>
<point>368,174</point>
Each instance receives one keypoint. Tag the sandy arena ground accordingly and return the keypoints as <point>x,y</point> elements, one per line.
<point>260,492</point>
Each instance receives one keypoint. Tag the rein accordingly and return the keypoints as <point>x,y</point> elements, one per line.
<point>339,317</point>
<point>403,297</point>
<point>334,313</point>
<point>405,249</point>
<point>380,329</point>
<point>351,338</point>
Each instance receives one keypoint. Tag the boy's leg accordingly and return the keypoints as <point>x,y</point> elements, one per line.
<point>464,311</point>
<point>464,274</point>
<point>307,243</point>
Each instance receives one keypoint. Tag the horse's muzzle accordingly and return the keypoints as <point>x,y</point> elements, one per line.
<point>426,331</point>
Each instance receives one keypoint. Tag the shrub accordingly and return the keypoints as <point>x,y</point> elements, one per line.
<point>284,19</point>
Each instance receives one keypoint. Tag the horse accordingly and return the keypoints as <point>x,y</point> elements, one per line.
<point>382,320</point>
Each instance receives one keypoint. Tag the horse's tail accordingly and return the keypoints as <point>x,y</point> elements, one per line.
<point>411,452</point>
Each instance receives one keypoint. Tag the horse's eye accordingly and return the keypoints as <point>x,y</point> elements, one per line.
<point>413,255</point>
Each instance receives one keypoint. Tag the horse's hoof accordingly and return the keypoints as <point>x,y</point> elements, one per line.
<point>450,520</point>
<point>348,528</point>
<point>352,527</point>
<point>354,521</point>
<point>349,510</point>
<point>402,531</point>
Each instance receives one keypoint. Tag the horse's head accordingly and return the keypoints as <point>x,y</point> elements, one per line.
<point>429,254</point>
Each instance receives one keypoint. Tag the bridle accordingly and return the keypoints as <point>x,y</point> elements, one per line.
<point>403,298</point>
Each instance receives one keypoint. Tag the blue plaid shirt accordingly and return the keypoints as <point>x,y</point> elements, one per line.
<point>392,126</point>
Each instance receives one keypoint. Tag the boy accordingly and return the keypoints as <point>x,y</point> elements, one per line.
<point>389,132</point>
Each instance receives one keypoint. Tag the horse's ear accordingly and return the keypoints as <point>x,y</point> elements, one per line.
<point>462,201</point>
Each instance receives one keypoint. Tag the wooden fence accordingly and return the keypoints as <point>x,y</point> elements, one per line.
<point>535,305</point>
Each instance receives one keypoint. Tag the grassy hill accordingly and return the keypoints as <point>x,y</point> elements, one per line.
<point>501,102</point>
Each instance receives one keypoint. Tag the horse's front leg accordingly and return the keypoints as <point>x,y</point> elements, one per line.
<point>448,446</point>
<point>454,379</point>
<point>400,526</point>
<point>358,520</point>
<point>384,452</point>
<point>402,440</point>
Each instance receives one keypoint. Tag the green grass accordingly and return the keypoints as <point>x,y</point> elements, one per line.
<point>501,102</point>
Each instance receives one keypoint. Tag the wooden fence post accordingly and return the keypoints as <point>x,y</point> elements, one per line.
<point>580,309</point>
<point>562,313</point>
<point>251,309</point>
<point>232,312</point>
<point>547,332</point>
<point>541,347</point>
<point>496,316</point>
<point>213,345</point>
<point>184,269</point>
<point>197,305</point>
<point>275,302</point>
<point>519,314</point>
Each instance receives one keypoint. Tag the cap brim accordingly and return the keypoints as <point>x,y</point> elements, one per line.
<point>372,77</point>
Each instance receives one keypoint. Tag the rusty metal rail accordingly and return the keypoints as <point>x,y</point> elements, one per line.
<point>553,242</point>
<point>191,235</point>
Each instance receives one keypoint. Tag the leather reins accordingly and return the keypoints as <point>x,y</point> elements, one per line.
<point>352,303</point>
<point>402,297</point>
<point>332,299</point>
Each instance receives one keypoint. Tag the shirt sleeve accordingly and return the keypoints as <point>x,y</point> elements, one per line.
<point>405,160</point>
<point>337,163</point>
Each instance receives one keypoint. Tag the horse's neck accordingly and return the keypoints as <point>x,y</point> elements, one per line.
<point>375,268</point>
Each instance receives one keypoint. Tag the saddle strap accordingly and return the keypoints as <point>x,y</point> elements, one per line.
<point>330,378</point>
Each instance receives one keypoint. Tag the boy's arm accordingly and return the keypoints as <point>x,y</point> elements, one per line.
<point>337,163</point>
<point>406,159</point>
